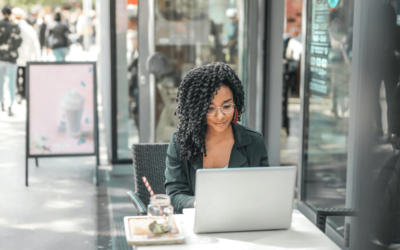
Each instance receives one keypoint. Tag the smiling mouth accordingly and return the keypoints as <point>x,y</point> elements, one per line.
<point>220,124</point>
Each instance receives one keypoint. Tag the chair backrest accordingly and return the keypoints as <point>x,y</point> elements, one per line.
<point>149,161</point>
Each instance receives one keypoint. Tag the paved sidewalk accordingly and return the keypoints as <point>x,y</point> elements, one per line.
<point>60,208</point>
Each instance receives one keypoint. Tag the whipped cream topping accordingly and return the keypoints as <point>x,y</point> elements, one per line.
<point>73,100</point>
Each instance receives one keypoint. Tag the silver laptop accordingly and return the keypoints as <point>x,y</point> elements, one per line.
<point>244,199</point>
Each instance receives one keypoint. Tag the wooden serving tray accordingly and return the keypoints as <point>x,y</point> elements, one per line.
<point>138,233</point>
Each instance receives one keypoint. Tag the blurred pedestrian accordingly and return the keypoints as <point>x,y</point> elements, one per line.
<point>42,32</point>
<point>231,35</point>
<point>58,39</point>
<point>10,40</point>
<point>84,28</point>
<point>80,25</point>
<point>389,34</point>
<point>29,49</point>
<point>34,18</point>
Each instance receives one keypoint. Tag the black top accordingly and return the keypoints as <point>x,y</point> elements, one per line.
<point>42,35</point>
<point>10,40</point>
<point>59,36</point>
<point>248,151</point>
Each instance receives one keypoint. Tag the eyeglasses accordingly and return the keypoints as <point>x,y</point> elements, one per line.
<point>226,108</point>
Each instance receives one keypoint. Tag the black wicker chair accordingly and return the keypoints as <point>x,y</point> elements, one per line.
<point>149,161</point>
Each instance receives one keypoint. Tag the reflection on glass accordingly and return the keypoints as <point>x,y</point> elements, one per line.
<point>191,33</point>
<point>188,33</point>
<point>379,163</point>
<point>127,80</point>
<point>292,53</point>
<point>327,78</point>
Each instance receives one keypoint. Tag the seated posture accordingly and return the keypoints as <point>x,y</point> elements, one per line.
<point>210,102</point>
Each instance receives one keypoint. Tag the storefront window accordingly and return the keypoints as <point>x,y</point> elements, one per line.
<point>187,34</point>
<point>190,33</point>
<point>292,54</point>
<point>327,80</point>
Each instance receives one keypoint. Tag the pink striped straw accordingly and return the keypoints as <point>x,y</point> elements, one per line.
<point>146,183</point>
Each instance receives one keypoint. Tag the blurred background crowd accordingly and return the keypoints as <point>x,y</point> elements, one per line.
<point>41,32</point>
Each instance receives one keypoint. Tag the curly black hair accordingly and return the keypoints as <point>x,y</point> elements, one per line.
<point>194,97</point>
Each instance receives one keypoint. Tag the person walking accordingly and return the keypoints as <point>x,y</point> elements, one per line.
<point>43,34</point>
<point>10,40</point>
<point>29,49</point>
<point>58,39</point>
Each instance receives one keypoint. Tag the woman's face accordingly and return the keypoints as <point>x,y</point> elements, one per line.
<point>220,121</point>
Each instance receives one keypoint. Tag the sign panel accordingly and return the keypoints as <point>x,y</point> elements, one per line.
<point>62,115</point>
<point>319,50</point>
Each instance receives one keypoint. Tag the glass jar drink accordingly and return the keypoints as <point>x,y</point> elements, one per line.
<point>161,211</point>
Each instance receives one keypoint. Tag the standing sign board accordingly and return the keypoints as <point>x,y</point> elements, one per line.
<point>62,111</point>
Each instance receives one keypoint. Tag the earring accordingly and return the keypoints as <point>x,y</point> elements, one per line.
<point>235,116</point>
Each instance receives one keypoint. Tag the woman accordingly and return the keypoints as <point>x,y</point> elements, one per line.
<point>210,102</point>
<point>58,39</point>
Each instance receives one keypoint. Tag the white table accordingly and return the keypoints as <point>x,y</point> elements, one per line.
<point>301,235</point>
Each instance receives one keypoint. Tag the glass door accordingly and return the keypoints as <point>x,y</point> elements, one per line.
<point>175,37</point>
<point>124,76</point>
<point>326,105</point>
<point>350,120</point>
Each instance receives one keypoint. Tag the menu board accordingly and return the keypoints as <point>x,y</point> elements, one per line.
<point>319,49</point>
<point>62,115</point>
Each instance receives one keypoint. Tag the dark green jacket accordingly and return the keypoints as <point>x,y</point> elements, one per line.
<point>248,151</point>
